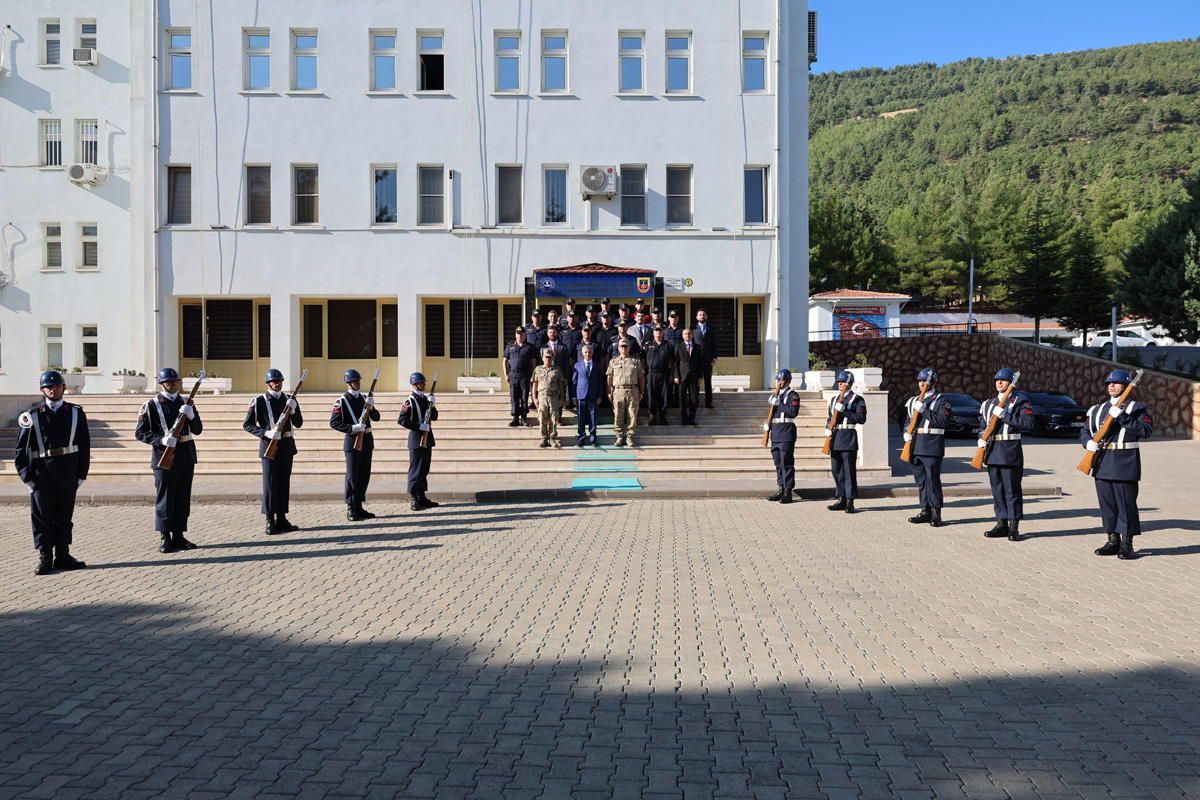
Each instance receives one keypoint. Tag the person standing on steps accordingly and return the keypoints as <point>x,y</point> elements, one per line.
<point>517,368</point>
<point>851,410</point>
<point>587,377</point>
<point>173,486</point>
<point>626,385</point>
<point>549,389</point>
<point>687,375</point>
<point>660,360</point>
<point>706,337</point>
<point>413,416</point>
<point>264,413</point>
<point>347,411</point>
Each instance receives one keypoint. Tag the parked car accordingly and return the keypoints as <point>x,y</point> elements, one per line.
<point>1056,413</point>
<point>1103,339</point>
<point>964,415</point>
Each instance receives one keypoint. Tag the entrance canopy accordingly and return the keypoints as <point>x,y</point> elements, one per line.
<point>594,280</point>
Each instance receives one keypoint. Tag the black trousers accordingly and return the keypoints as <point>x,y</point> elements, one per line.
<point>277,483</point>
<point>784,456</point>
<point>358,475</point>
<point>173,497</point>
<point>586,430</point>
<point>1118,506</point>
<point>689,398</point>
<point>928,472</point>
<point>708,385</point>
<point>418,470</point>
<point>51,509</point>
<point>657,388</point>
<point>1006,492</point>
<point>518,395</point>
<point>845,473</point>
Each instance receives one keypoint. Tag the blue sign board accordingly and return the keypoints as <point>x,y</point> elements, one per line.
<point>598,284</point>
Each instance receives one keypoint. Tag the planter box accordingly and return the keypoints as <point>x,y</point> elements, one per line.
<point>467,385</point>
<point>74,381</point>
<point>818,380</point>
<point>730,383</point>
<point>214,385</point>
<point>128,384</point>
<point>867,378</point>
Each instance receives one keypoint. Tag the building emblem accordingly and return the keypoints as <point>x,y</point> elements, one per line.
<point>643,285</point>
<point>546,283</point>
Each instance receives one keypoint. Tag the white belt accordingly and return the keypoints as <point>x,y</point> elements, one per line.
<point>1120,446</point>
<point>934,431</point>
<point>844,426</point>
<point>784,420</point>
<point>1007,437</point>
<point>57,451</point>
<point>185,438</point>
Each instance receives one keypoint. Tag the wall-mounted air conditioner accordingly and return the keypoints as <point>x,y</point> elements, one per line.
<point>85,57</point>
<point>594,180</point>
<point>83,173</point>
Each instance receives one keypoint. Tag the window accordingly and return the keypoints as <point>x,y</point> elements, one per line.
<point>435,330</point>
<point>314,331</point>
<point>304,192</point>
<point>87,141</point>
<point>89,246</point>
<point>432,60</point>
<point>258,195</point>
<point>679,195</point>
<point>754,62</point>
<point>257,67</point>
<point>508,61</point>
<point>229,325</point>
<point>304,60</point>
<point>383,61</point>
<point>53,346</point>
<point>385,194</point>
<point>756,195</point>
<point>179,58</point>
<point>192,345</point>
<point>752,329</point>
<point>632,57</point>
<point>391,330</point>
<point>89,347</point>
<point>52,254</point>
<point>722,316</point>
<point>432,199</point>
<point>51,42</point>
<point>264,330</point>
<point>554,61</point>
<point>179,195</point>
<point>474,328</point>
<point>555,196</point>
<point>51,144</point>
<point>352,325</point>
<point>633,195</point>
<point>679,63</point>
<point>508,195</point>
<point>86,29</point>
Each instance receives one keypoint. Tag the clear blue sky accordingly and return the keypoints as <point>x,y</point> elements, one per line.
<point>886,33</point>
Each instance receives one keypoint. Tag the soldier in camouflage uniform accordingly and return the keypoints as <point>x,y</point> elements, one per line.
<point>549,389</point>
<point>626,385</point>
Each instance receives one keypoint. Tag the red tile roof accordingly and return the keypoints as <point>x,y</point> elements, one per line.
<point>596,268</point>
<point>859,293</point>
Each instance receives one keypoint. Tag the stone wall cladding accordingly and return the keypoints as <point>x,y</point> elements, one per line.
<point>966,363</point>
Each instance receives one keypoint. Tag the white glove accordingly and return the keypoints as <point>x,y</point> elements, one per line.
<point>998,412</point>
<point>274,435</point>
<point>918,407</point>
<point>1116,411</point>
<point>188,411</point>
<point>907,437</point>
<point>292,404</point>
<point>1092,446</point>
<point>839,406</point>
<point>29,485</point>
<point>432,400</point>
<point>370,401</point>
<point>981,443</point>
<point>828,433</point>
<point>79,483</point>
<point>424,426</point>
<point>766,426</point>
<point>774,399</point>
<point>170,441</point>
<point>358,427</point>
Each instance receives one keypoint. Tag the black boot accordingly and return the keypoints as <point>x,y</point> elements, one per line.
<point>45,561</point>
<point>180,543</point>
<point>1014,530</point>
<point>850,506</point>
<point>787,497</point>
<point>362,512</point>
<point>662,420</point>
<point>839,504</point>
<point>270,529</point>
<point>1126,552</point>
<point>415,505</point>
<point>936,521</point>
<point>352,513</point>
<point>426,502</point>
<point>64,560</point>
<point>516,422</point>
<point>282,524</point>
<point>999,530</point>
<point>1112,548</point>
<point>164,542</point>
<point>925,515</point>
<point>777,496</point>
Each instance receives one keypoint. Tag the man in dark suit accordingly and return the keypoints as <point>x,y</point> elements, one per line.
<point>588,380</point>
<point>706,337</point>
<point>688,369</point>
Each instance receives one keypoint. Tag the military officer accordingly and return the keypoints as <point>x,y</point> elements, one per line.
<point>1120,463</point>
<point>571,337</point>
<point>348,417</point>
<point>606,308</point>
<point>549,389</point>
<point>660,358</point>
<point>1006,460</point>
<point>786,402</point>
<point>517,367</point>
<point>535,331</point>
<point>656,318</point>
<point>590,318</point>
<point>673,335</point>
<point>53,453</point>
<point>932,411</point>
<point>570,309</point>
<point>626,385</point>
<point>623,333</point>
<point>563,358</point>
<point>420,440</point>
<point>624,313</point>
<point>263,419</point>
<point>851,410</point>
<point>172,487</point>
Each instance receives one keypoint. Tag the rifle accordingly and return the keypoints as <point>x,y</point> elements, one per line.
<point>429,410</point>
<point>770,414</point>
<point>168,456</point>
<point>283,418</point>
<point>906,453</point>
<point>828,448</point>
<point>982,453</point>
<point>358,439</point>
<point>1091,460</point>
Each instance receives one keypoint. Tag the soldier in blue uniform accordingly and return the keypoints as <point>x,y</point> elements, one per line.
<point>783,435</point>
<point>622,334</point>
<point>172,487</point>
<point>571,336</point>
<point>673,335</point>
<point>53,453</point>
<point>1120,464</point>
<point>262,417</point>
<point>517,366</point>
<point>660,361</point>
<point>570,309</point>
<point>347,417</point>
<point>590,319</point>
<point>412,416</point>
<point>843,449</point>
<point>929,447</point>
<point>535,331</point>
<point>1006,460</point>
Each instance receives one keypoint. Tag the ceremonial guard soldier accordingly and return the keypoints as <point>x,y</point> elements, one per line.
<point>626,385</point>
<point>1004,456</point>
<point>688,374</point>
<point>417,412</point>
<point>850,410</point>
<point>1120,464</point>
<point>549,389</point>
<point>53,453</point>
<point>347,416</point>
<point>265,419</point>
<point>518,367</point>
<point>786,405</point>
<point>172,484</point>
<point>660,358</point>
<point>928,438</point>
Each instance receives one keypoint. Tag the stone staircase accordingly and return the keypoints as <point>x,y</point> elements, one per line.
<point>473,441</point>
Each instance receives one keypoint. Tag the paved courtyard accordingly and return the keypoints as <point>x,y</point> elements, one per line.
<point>652,648</point>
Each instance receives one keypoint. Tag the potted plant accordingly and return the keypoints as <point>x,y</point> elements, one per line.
<point>212,383</point>
<point>724,381</point>
<point>866,377</point>
<point>128,380</point>
<point>73,379</point>
<point>478,381</point>
<point>819,376</point>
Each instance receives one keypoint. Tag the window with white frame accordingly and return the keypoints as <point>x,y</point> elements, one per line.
<point>179,59</point>
<point>508,195</point>
<point>431,188</point>
<point>51,142</point>
<point>679,62</point>
<point>679,195</point>
<point>179,195</point>
<point>508,61</point>
<point>86,33</point>
<point>633,195</point>
<point>383,60</point>
<point>304,60</point>
<point>258,195</point>
<point>87,141</point>
<point>52,346</point>
<point>756,193</point>
<point>306,209</point>
<point>385,193</point>
<point>52,246</point>
<point>554,61</point>
<point>89,348</point>
<point>632,58</point>
<point>431,61</point>
<point>89,246</point>
<point>754,62</point>
<point>257,67</point>
<point>51,42</point>
<point>554,203</point>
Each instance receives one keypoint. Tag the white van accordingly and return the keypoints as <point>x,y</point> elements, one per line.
<point>1104,339</point>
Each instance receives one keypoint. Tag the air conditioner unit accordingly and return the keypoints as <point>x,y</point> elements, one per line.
<point>812,36</point>
<point>595,179</point>
<point>85,56</point>
<point>82,173</point>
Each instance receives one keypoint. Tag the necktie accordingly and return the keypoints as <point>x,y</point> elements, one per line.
<point>689,348</point>
<point>589,369</point>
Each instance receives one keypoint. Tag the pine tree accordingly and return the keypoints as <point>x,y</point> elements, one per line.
<point>1037,280</point>
<point>1191,274</point>
<point>1087,292</point>
<point>1155,285</point>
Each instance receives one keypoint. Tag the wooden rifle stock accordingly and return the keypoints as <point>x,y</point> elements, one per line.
<point>168,456</point>
<point>287,414</point>
<point>428,410</point>
<point>1089,458</point>
<point>358,439</point>
<point>828,448</point>
<point>906,453</point>
<point>770,415</point>
<point>981,453</point>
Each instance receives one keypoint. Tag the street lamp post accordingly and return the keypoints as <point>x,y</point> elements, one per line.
<point>1113,344</point>
<point>970,287</point>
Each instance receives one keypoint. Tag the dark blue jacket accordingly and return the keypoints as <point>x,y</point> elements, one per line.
<point>1018,419</point>
<point>590,389</point>
<point>259,422</point>
<point>1124,461</point>
<point>845,435</point>
<point>788,408</point>
<point>535,336</point>
<point>150,429</point>
<point>520,357</point>
<point>347,410</point>
<point>55,429</point>
<point>412,414</point>
<point>932,420</point>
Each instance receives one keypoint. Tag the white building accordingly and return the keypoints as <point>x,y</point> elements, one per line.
<point>854,314</point>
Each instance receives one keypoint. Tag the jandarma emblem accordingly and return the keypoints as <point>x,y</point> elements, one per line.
<point>546,283</point>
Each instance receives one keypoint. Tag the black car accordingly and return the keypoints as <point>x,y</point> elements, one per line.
<point>964,414</point>
<point>1056,413</point>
